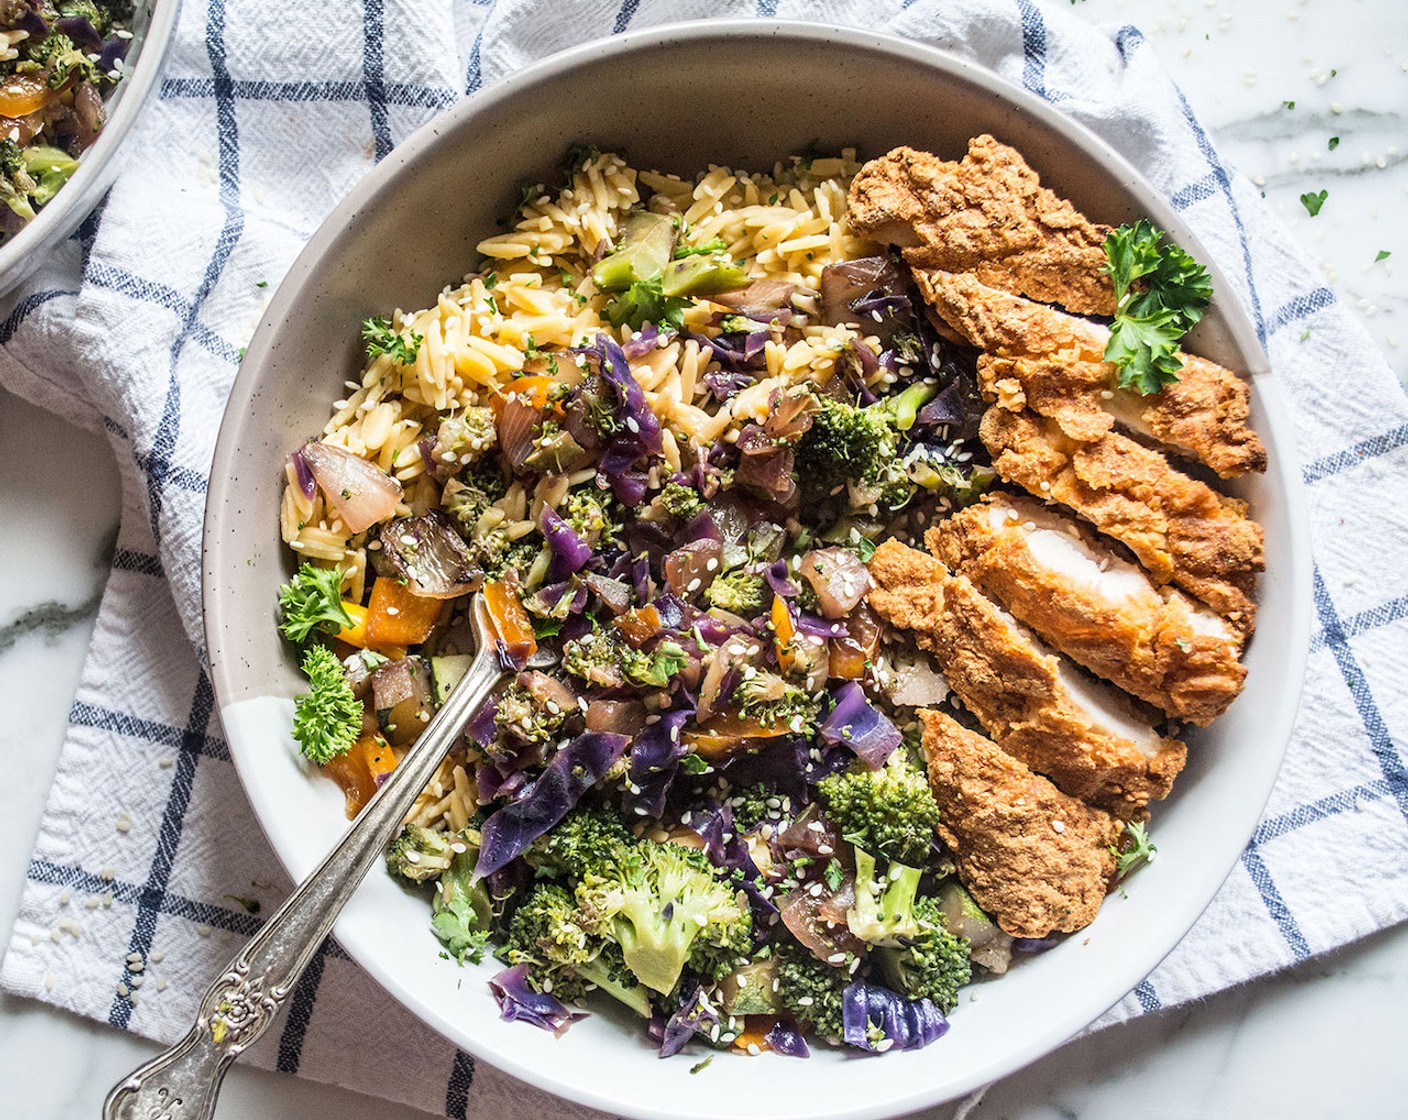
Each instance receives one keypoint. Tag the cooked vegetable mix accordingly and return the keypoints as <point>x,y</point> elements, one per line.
<point>57,62</point>
<point>662,432</point>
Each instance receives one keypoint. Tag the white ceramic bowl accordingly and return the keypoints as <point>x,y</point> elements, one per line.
<point>680,97</point>
<point>152,26</point>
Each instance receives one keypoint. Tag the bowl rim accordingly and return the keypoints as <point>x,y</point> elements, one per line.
<point>1294,565</point>
<point>76,199</point>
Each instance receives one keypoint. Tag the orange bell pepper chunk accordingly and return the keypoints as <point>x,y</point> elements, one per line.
<point>537,390</point>
<point>784,632</point>
<point>727,732</point>
<point>23,94</point>
<point>639,625</point>
<point>848,660</point>
<point>755,1032</point>
<point>356,634</point>
<point>356,770</point>
<point>396,616</point>
<point>510,620</point>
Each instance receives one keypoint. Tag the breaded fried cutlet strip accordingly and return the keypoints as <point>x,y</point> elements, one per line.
<point>1094,606</point>
<point>1052,363</point>
<point>1037,860</point>
<point>1088,738</point>
<point>987,214</point>
<point>1182,531</point>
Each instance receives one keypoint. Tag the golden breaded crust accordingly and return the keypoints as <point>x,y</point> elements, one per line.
<point>987,214</point>
<point>1181,530</point>
<point>1038,358</point>
<point>1015,689</point>
<point>1035,859</point>
<point>1145,644</point>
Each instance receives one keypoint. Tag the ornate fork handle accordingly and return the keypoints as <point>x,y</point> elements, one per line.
<point>183,1082</point>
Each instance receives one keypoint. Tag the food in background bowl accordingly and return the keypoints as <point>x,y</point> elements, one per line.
<point>57,63</point>
<point>683,435</point>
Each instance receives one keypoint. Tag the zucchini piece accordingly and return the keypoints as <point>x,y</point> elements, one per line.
<point>446,672</point>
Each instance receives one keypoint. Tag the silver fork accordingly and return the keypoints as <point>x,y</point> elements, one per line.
<point>183,1082</point>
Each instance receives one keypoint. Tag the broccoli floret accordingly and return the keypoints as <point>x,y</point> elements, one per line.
<point>883,913</point>
<point>596,657</point>
<point>889,811</point>
<point>521,717</point>
<point>467,497</point>
<point>600,659</point>
<point>811,989</point>
<point>666,908</point>
<point>497,554</point>
<point>463,439</point>
<point>679,500</point>
<point>770,700</point>
<point>547,933</point>
<point>327,718</point>
<point>845,444</point>
<point>312,600</point>
<point>15,182</point>
<point>738,591</point>
<point>588,515</point>
<point>419,854</point>
<point>933,965</point>
<point>859,447</point>
<point>461,911</point>
<point>587,837</point>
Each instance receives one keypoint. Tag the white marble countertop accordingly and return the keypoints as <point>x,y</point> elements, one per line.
<point>1275,80</point>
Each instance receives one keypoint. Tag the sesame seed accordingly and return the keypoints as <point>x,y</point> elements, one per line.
<point>65,896</point>
<point>161,983</point>
<point>1058,826</point>
<point>754,1049</point>
<point>836,958</point>
<point>123,990</point>
<point>48,981</point>
<point>165,762</point>
<point>158,956</point>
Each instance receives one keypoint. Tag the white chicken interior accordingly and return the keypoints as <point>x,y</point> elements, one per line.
<point>1057,546</point>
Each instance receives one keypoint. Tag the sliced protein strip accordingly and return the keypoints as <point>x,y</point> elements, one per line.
<point>987,214</point>
<point>1089,738</point>
<point>1034,858</point>
<point>1181,530</point>
<point>1052,363</point>
<point>1094,606</point>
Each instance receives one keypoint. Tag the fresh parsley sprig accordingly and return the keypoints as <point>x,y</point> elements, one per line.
<point>1152,318</point>
<point>327,718</point>
<point>382,339</point>
<point>1137,851</point>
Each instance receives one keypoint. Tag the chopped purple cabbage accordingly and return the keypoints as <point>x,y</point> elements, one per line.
<point>519,1002</point>
<point>655,759</point>
<point>696,1015</point>
<point>784,1038</point>
<point>855,723</point>
<point>570,552</point>
<point>547,799</point>
<point>876,1019</point>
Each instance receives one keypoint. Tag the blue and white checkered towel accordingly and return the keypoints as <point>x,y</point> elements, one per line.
<point>269,112</point>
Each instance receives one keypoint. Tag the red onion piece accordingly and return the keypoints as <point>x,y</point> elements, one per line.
<point>307,484</point>
<point>359,492</point>
<point>838,578</point>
